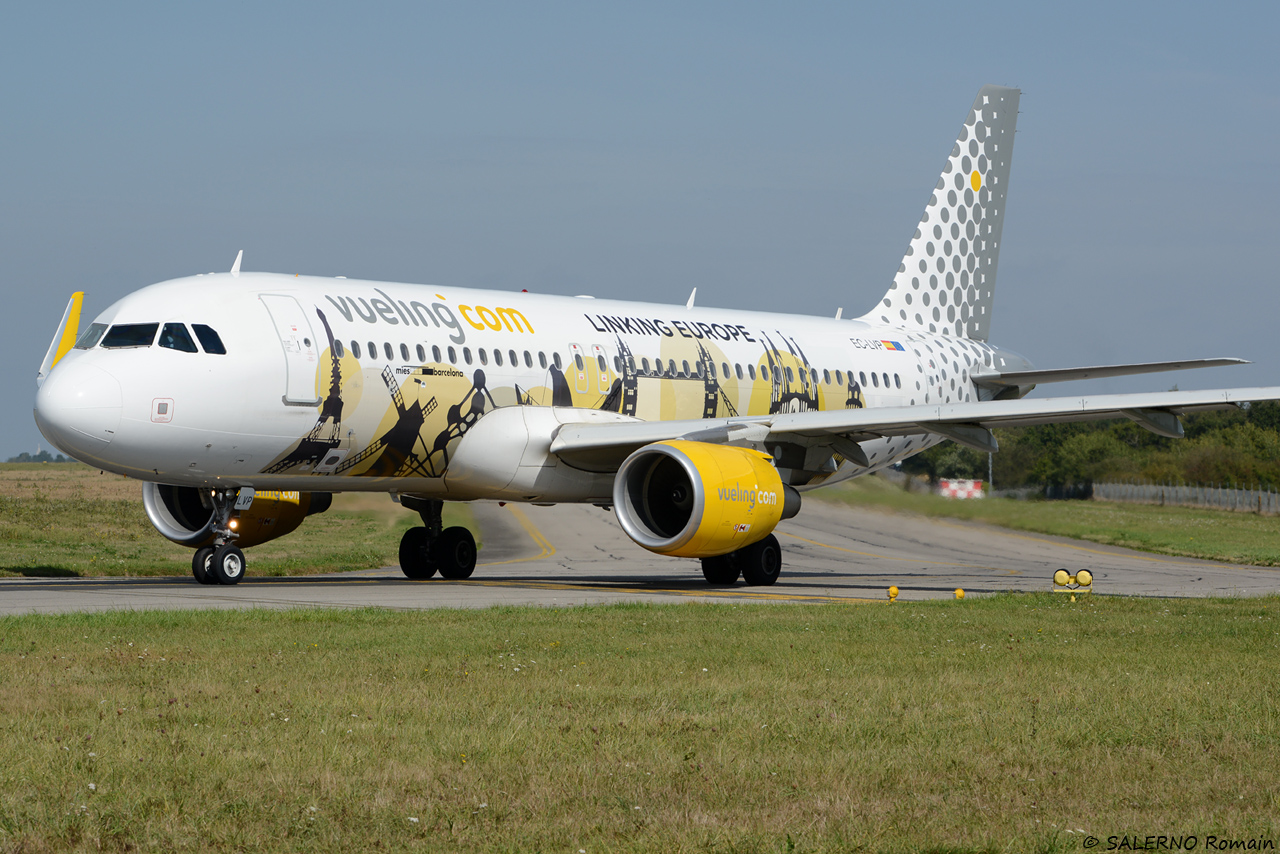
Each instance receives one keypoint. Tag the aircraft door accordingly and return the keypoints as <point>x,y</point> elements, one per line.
<point>602,367</point>
<point>301,352</point>
<point>579,368</point>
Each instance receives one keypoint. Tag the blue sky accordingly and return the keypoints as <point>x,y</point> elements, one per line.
<point>776,156</point>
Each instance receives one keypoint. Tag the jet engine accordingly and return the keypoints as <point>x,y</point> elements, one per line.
<point>694,499</point>
<point>187,514</point>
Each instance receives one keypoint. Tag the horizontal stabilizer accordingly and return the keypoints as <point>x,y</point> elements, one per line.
<point>1008,379</point>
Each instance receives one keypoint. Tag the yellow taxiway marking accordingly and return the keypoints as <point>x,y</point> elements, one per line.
<point>1151,558</point>
<point>891,557</point>
<point>534,534</point>
<point>666,591</point>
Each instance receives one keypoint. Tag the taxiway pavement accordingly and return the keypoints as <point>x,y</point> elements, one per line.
<point>572,555</point>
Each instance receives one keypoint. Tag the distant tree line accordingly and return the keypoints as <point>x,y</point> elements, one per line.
<point>1230,447</point>
<point>42,457</point>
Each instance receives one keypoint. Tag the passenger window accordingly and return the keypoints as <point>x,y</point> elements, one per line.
<point>131,335</point>
<point>897,382</point>
<point>862,379</point>
<point>577,360</point>
<point>528,359</point>
<point>737,369</point>
<point>355,349</point>
<point>404,352</point>
<point>337,348</point>
<point>875,380</point>
<point>791,376</point>
<point>209,339</point>
<point>386,350</point>
<point>724,370</point>
<point>617,364</point>
<point>453,356</point>
<point>373,350</point>
<point>813,375</point>
<point>497,358</point>
<point>886,380</point>
<point>514,360</point>
<point>702,370</point>
<point>751,371</point>
<point>826,377</point>
<point>91,336</point>
<point>435,352</point>
<point>604,366</point>
<point>174,336</point>
<point>422,353</point>
<point>839,378</point>
<point>556,358</point>
<point>484,357</point>
<point>466,355</point>
<point>644,364</point>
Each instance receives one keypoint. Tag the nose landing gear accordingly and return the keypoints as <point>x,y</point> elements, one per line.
<point>223,562</point>
<point>429,549</point>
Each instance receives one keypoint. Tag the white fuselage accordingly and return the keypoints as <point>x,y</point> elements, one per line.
<point>417,367</point>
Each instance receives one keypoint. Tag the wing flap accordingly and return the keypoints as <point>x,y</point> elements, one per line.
<point>1009,379</point>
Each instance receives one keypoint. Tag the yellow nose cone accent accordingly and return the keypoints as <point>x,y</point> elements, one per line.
<point>959,593</point>
<point>975,181</point>
<point>1084,577</point>
<point>1061,577</point>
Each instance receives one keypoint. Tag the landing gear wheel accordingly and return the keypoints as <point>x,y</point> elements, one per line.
<point>455,553</point>
<point>202,565</point>
<point>228,564</point>
<point>415,555</point>
<point>761,562</point>
<point>721,570</point>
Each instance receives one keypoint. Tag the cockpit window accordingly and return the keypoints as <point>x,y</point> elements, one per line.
<point>174,336</point>
<point>91,336</point>
<point>131,335</point>
<point>209,339</point>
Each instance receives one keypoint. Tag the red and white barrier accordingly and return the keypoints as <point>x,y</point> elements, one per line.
<point>960,488</point>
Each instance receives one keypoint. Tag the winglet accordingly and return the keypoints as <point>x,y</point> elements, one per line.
<point>235,268</point>
<point>689,304</point>
<point>64,339</point>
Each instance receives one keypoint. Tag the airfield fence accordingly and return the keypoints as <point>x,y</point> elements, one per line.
<point>1244,500</point>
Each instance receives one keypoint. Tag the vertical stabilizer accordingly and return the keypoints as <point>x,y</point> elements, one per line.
<point>947,279</point>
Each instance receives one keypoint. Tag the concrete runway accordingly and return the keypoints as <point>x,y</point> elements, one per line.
<point>570,555</point>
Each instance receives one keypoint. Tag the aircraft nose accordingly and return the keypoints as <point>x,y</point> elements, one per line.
<point>78,409</point>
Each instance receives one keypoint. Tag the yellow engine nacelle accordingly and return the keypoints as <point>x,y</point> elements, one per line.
<point>185,514</point>
<point>694,499</point>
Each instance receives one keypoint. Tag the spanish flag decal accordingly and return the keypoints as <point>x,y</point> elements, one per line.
<point>892,345</point>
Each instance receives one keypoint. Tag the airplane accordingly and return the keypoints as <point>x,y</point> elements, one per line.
<point>244,400</point>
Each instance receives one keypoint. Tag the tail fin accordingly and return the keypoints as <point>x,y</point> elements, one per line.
<point>947,278</point>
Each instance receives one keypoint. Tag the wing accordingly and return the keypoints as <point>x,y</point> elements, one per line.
<point>603,446</point>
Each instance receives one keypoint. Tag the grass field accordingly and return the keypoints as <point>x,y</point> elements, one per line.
<point>1010,723</point>
<point>1211,534</point>
<point>66,519</point>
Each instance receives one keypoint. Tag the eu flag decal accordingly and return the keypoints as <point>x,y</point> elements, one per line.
<point>892,345</point>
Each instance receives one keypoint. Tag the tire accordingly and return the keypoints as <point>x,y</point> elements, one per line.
<point>455,553</point>
<point>721,570</point>
<point>415,555</point>
<point>202,565</point>
<point>228,564</point>
<point>761,562</point>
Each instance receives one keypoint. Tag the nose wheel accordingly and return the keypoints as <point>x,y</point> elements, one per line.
<point>223,562</point>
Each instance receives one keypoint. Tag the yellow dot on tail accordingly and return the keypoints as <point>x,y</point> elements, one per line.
<point>975,181</point>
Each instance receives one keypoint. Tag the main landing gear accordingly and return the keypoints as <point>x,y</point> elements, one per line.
<point>759,564</point>
<point>223,562</point>
<point>433,548</point>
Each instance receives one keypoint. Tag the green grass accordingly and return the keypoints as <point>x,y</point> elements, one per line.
<point>985,725</point>
<point>1245,538</point>
<point>63,520</point>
